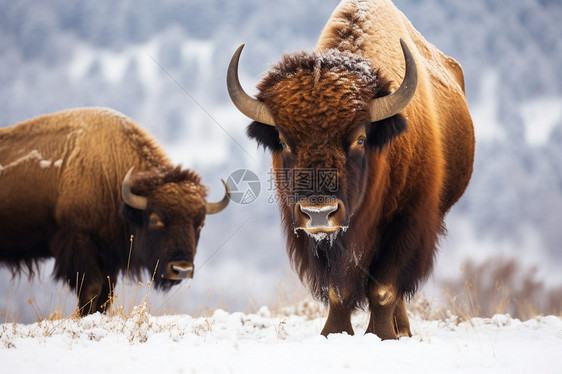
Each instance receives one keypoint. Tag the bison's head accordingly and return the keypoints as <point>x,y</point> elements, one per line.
<point>166,208</point>
<point>326,117</point>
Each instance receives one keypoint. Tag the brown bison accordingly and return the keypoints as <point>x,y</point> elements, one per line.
<point>403,156</point>
<point>65,193</point>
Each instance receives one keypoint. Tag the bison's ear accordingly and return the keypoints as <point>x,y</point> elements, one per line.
<point>131,215</point>
<point>266,136</point>
<point>383,132</point>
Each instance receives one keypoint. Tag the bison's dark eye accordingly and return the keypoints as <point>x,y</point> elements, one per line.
<point>284,145</point>
<point>154,221</point>
<point>358,142</point>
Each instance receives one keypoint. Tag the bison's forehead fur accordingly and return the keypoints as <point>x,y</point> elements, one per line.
<point>310,92</point>
<point>172,188</point>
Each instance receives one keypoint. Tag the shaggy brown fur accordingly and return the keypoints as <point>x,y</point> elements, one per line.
<point>397,187</point>
<point>60,194</point>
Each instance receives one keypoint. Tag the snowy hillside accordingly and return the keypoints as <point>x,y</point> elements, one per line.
<point>163,63</point>
<point>258,343</point>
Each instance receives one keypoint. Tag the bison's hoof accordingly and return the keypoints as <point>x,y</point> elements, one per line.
<point>404,333</point>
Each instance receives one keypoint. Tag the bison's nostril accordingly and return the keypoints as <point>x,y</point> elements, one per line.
<point>333,212</point>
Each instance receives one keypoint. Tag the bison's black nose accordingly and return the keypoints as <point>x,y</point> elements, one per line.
<point>317,218</point>
<point>179,270</point>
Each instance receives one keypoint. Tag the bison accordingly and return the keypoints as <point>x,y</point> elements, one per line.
<point>403,156</point>
<point>74,185</point>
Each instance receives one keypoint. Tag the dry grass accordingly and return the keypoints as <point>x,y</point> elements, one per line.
<point>496,286</point>
<point>294,299</point>
<point>499,286</point>
<point>55,309</point>
<point>481,290</point>
<point>125,301</point>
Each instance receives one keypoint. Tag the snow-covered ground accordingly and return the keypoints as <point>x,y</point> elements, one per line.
<point>262,342</point>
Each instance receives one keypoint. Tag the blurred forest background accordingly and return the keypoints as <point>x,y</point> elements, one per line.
<point>163,63</point>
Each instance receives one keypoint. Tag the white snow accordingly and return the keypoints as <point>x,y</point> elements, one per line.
<point>113,65</point>
<point>44,164</point>
<point>223,134</point>
<point>540,117</point>
<point>484,112</point>
<point>34,154</point>
<point>199,50</point>
<point>262,342</point>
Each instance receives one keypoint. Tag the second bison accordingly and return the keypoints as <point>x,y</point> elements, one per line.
<point>74,185</point>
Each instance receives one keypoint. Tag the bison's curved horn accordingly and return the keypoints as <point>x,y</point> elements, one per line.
<point>246,104</point>
<point>214,208</point>
<point>132,200</point>
<point>387,106</point>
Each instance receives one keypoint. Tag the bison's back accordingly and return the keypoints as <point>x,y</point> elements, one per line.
<point>440,137</point>
<point>64,170</point>
<point>30,168</point>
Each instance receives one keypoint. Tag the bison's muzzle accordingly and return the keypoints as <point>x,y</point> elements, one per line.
<point>316,219</point>
<point>179,270</point>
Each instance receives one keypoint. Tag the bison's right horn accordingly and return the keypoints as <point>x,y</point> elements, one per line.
<point>246,104</point>
<point>214,208</point>
<point>387,106</point>
<point>132,200</point>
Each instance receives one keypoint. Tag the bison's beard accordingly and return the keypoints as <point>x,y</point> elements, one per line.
<point>325,261</point>
<point>164,284</point>
<point>331,264</point>
<point>141,272</point>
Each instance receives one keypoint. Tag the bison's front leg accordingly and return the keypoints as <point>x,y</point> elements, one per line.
<point>388,317</point>
<point>89,289</point>
<point>383,303</point>
<point>339,316</point>
<point>76,262</point>
<point>405,256</point>
<point>95,293</point>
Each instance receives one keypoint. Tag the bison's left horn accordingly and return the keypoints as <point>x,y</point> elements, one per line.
<point>132,200</point>
<point>214,208</point>
<point>387,106</point>
<point>246,104</point>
